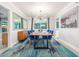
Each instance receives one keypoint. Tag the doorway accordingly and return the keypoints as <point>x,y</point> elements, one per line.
<point>3,27</point>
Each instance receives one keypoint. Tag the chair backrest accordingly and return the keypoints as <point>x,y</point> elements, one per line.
<point>30,31</point>
<point>50,31</point>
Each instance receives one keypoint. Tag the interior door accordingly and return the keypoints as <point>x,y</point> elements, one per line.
<point>5,39</point>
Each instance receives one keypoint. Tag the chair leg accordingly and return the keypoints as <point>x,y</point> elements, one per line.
<point>30,41</point>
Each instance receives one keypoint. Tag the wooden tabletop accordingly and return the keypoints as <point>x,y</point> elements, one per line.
<point>41,34</point>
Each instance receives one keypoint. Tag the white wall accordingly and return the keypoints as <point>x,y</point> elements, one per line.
<point>69,36</point>
<point>12,39</point>
<point>29,23</point>
<point>52,23</point>
<point>25,24</point>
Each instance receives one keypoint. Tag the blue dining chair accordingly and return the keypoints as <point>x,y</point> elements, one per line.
<point>50,31</point>
<point>32,30</point>
<point>31,37</point>
<point>49,37</point>
<point>29,31</point>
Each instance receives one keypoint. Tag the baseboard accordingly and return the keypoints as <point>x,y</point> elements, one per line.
<point>3,50</point>
<point>13,44</point>
<point>69,46</point>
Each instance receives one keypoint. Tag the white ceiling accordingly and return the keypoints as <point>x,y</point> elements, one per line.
<point>3,12</point>
<point>40,8</point>
<point>72,11</point>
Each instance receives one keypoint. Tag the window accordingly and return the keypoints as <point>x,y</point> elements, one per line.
<point>3,19</point>
<point>17,22</point>
<point>57,23</point>
<point>40,24</point>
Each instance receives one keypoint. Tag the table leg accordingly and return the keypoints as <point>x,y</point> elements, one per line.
<point>47,43</point>
<point>35,47</point>
<point>34,43</point>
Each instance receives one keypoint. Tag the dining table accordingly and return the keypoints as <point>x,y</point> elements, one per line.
<point>38,37</point>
